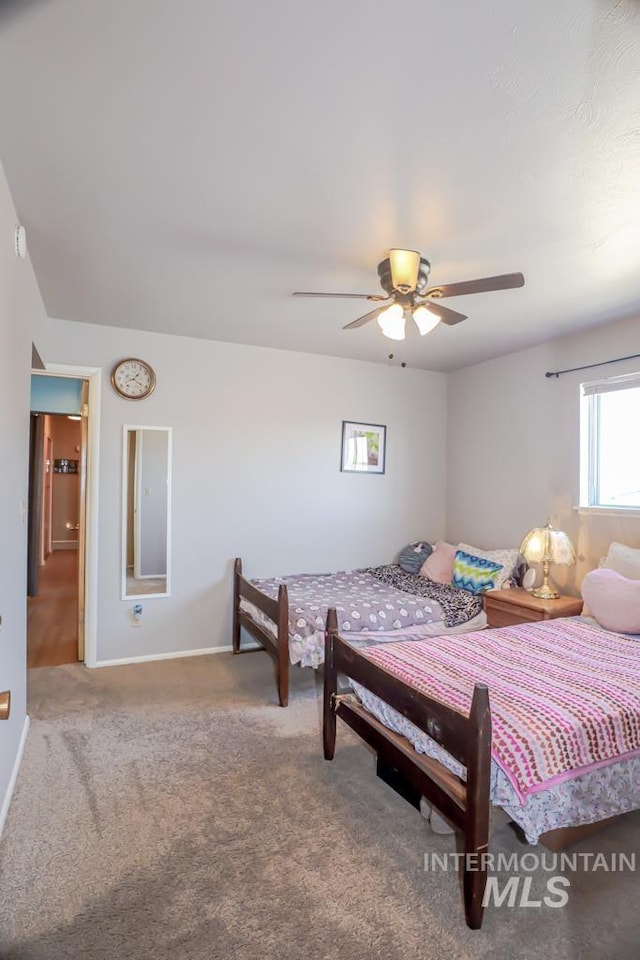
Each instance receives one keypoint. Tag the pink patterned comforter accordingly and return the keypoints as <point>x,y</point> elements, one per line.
<point>564,694</point>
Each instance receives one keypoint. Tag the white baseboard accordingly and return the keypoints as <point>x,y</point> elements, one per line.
<point>175,655</point>
<point>4,810</point>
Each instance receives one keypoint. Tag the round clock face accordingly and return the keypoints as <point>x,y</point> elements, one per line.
<point>133,379</point>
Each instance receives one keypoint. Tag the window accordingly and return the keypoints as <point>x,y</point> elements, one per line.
<point>610,443</point>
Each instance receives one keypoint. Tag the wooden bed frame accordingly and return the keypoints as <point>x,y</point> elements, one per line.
<point>413,775</point>
<point>465,805</point>
<point>278,611</point>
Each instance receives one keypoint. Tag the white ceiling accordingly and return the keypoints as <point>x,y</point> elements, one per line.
<point>183,167</point>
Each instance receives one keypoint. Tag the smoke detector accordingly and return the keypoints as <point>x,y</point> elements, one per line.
<point>20,242</point>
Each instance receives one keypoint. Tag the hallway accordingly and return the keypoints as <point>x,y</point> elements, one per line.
<point>52,624</point>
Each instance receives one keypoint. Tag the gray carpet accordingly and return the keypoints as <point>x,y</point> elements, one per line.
<point>172,810</point>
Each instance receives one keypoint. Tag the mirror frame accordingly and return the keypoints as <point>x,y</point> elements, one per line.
<point>126,429</point>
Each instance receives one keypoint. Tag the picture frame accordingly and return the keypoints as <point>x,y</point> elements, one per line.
<point>363,447</point>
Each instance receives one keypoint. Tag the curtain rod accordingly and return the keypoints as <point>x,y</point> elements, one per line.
<point>588,366</point>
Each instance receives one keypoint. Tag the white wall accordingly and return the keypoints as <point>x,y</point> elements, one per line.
<point>513,454</point>
<point>22,317</point>
<point>256,453</point>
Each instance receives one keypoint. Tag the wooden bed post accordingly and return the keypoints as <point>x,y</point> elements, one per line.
<point>282,663</point>
<point>330,686</point>
<point>237,573</point>
<point>476,834</point>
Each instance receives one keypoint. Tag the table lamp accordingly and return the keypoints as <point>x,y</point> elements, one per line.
<point>546,546</point>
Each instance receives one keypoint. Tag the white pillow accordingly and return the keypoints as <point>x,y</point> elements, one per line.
<point>508,559</point>
<point>614,600</point>
<point>623,560</point>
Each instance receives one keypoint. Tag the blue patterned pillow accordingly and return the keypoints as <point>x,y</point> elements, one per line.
<point>413,556</point>
<point>474,574</point>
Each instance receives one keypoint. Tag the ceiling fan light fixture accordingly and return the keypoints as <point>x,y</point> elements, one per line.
<point>425,319</point>
<point>404,277</point>
<point>391,322</point>
<point>405,265</point>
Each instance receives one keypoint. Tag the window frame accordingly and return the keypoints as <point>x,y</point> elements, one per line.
<point>590,438</point>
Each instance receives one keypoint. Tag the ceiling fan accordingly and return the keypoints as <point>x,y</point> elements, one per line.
<point>404,276</point>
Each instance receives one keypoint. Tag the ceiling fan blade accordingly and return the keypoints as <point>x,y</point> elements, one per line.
<point>446,315</point>
<point>360,322</point>
<point>506,281</point>
<point>349,296</point>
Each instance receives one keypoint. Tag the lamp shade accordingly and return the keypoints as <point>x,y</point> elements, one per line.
<point>404,269</point>
<point>425,320</point>
<point>391,322</point>
<point>546,544</point>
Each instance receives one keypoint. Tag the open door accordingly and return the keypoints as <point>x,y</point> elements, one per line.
<point>34,535</point>
<point>47,498</point>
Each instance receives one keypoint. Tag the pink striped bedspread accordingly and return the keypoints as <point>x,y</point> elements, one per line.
<point>564,694</point>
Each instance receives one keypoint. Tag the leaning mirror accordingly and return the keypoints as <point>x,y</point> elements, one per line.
<point>146,514</point>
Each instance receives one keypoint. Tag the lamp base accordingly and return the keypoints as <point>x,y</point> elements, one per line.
<point>545,592</point>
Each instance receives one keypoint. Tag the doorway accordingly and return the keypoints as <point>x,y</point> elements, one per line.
<point>56,549</point>
<point>54,581</point>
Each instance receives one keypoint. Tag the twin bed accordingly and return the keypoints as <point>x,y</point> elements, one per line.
<point>541,719</point>
<point>287,615</point>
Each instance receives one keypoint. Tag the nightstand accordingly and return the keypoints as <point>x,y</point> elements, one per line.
<point>507,607</point>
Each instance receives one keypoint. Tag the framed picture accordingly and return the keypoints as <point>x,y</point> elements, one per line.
<point>363,447</point>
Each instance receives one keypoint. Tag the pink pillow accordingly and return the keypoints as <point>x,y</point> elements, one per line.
<point>439,565</point>
<point>614,600</point>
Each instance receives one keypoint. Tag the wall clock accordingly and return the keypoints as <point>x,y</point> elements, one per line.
<point>133,379</point>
